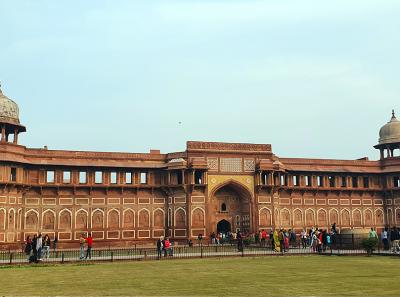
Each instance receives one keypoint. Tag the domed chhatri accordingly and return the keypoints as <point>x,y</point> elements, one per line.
<point>389,138</point>
<point>390,132</point>
<point>9,111</point>
<point>9,119</point>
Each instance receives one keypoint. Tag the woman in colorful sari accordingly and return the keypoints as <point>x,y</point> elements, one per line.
<point>276,241</point>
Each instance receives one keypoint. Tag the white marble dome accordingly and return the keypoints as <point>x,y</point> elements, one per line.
<point>390,132</point>
<point>9,111</point>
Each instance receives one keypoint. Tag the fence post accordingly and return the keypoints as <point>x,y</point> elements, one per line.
<point>62,257</point>
<point>201,251</point>
<point>352,241</point>
<point>11,258</point>
<point>145,254</point>
<point>112,256</point>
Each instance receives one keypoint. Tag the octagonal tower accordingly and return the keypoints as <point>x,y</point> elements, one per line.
<point>9,119</point>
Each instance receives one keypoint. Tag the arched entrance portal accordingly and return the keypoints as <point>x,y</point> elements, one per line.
<point>224,226</point>
<point>231,208</point>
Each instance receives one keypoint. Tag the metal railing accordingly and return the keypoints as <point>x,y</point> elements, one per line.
<point>341,245</point>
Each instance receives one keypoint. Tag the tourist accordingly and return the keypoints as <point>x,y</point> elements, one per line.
<point>333,228</point>
<point>160,247</point>
<point>303,236</point>
<point>324,243</point>
<point>320,238</point>
<point>89,242</point>
<point>271,238</point>
<point>82,242</point>
<point>171,249</point>
<point>190,242</point>
<point>286,238</point>
<point>55,243</point>
<point>257,238</point>
<point>263,237</point>
<point>46,246</point>
<point>281,238</point>
<point>212,236</point>
<point>385,239</point>
<point>314,241</point>
<point>217,238</point>
<point>328,241</point>
<point>276,245</point>
<point>39,246</point>
<point>167,246</point>
<point>292,237</point>
<point>239,241</point>
<point>28,247</point>
<point>372,234</point>
<point>34,250</point>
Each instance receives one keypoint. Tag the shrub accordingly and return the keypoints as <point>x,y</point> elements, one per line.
<point>369,245</point>
<point>248,240</point>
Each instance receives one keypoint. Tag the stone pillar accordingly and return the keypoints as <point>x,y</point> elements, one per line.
<point>3,133</point>
<point>15,135</point>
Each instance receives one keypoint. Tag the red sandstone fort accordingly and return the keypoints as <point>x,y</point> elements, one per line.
<point>125,198</point>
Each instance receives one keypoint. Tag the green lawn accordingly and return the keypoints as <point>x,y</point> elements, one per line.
<point>263,276</point>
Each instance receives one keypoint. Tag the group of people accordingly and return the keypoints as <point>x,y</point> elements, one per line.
<point>389,238</point>
<point>38,247</point>
<point>85,242</point>
<point>164,247</point>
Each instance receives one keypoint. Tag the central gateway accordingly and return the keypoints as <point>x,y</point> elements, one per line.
<point>231,208</point>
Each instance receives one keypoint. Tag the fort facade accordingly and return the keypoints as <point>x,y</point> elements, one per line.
<point>126,198</point>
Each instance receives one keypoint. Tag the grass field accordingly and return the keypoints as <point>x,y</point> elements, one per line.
<point>264,276</point>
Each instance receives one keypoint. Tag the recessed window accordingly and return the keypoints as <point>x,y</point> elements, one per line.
<point>366,181</point>
<point>98,177</point>
<point>308,181</point>
<point>50,176</point>
<point>198,177</point>
<point>66,177</point>
<point>264,178</point>
<point>396,182</point>
<point>128,177</point>
<point>143,177</point>
<point>113,177</point>
<point>13,174</point>
<point>331,181</point>
<point>320,181</point>
<point>223,207</point>
<point>344,182</point>
<point>283,180</point>
<point>354,181</point>
<point>82,177</point>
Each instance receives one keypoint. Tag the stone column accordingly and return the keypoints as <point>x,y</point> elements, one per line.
<point>3,133</point>
<point>15,135</point>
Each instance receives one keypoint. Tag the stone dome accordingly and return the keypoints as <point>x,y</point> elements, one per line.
<point>9,111</point>
<point>390,133</point>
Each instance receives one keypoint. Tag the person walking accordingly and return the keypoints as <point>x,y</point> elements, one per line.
<point>160,247</point>
<point>239,241</point>
<point>372,233</point>
<point>82,242</point>
<point>263,238</point>
<point>46,247</point>
<point>39,246</point>
<point>28,247</point>
<point>34,250</point>
<point>303,236</point>
<point>89,242</point>
<point>385,239</point>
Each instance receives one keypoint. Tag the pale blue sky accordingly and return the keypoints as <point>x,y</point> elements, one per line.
<point>313,78</point>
